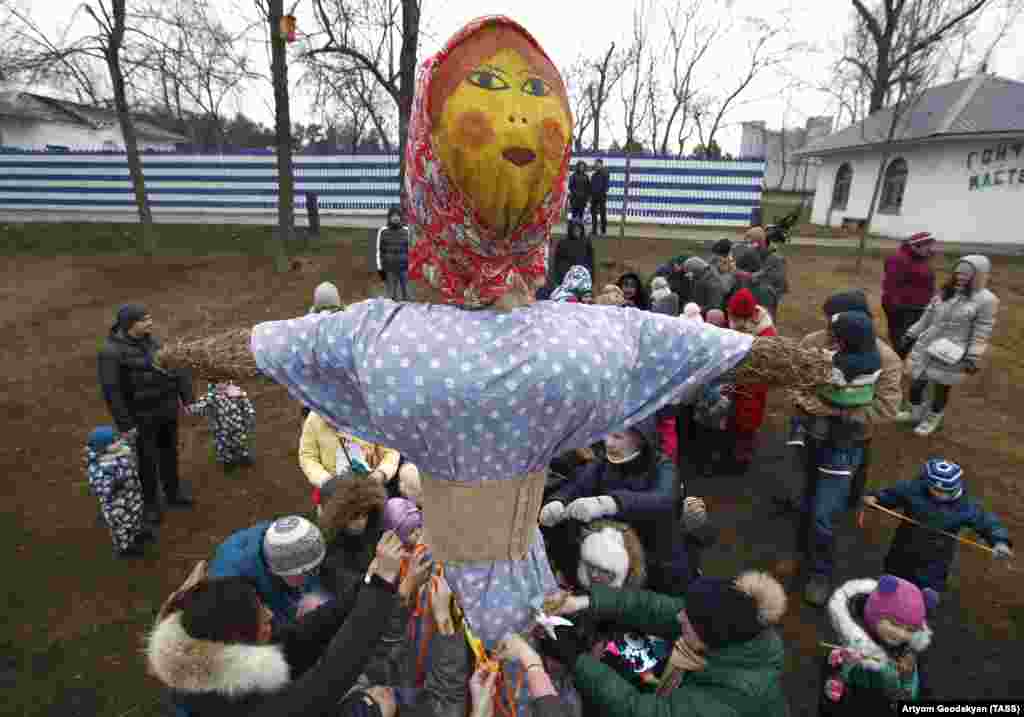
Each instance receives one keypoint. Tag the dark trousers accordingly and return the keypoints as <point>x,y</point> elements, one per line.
<point>158,457</point>
<point>825,499</point>
<point>599,209</point>
<point>901,318</point>
<point>940,394</point>
<point>396,280</point>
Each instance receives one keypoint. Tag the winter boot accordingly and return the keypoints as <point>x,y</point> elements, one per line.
<point>914,414</point>
<point>135,550</point>
<point>929,425</point>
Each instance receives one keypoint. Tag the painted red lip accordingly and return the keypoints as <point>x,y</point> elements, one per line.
<point>519,156</point>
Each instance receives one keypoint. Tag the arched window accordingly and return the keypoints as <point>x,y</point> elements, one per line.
<point>893,186</point>
<point>841,190</point>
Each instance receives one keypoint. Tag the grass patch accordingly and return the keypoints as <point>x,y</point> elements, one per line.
<point>88,238</point>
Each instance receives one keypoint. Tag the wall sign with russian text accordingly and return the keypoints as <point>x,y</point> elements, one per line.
<point>996,166</point>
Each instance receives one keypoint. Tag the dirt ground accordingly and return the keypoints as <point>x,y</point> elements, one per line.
<point>74,616</point>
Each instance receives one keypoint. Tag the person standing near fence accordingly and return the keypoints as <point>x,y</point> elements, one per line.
<point>599,182</point>
<point>393,254</point>
<point>908,286</point>
<point>579,191</point>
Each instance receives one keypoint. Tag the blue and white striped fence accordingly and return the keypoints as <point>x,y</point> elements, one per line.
<point>662,190</point>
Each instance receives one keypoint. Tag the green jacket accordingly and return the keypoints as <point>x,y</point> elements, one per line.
<point>739,680</point>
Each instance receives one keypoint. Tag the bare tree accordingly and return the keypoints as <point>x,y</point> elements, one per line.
<point>195,65</point>
<point>903,39</point>
<point>357,97</point>
<point>111,20</point>
<point>762,55</point>
<point>633,89</point>
<point>577,79</point>
<point>689,41</point>
<point>378,38</point>
<point>605,75</point>
<point>273,11</point>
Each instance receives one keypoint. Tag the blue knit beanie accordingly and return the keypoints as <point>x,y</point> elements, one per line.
<point>101,438</point>
<point>944,476</point>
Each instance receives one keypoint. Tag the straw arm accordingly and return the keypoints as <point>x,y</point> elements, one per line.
<point>779,361</point>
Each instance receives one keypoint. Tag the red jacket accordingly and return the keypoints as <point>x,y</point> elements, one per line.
<point>751,399</point>
<point>908,281</point>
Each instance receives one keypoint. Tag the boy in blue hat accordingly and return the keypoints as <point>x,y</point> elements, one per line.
<point>938,500</point>
<point>114,480</point>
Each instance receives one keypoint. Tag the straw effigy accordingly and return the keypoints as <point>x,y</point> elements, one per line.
<point>775,361</point>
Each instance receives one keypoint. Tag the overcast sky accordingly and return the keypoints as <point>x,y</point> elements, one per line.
<point>565,28</point>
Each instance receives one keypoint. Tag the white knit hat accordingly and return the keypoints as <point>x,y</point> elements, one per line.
<point>605,549</point>
<point>326,294</point>
<point>293,546</point>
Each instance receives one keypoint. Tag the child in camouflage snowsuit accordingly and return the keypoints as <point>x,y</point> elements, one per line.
<point>114,480</point>
<point>232,421</point>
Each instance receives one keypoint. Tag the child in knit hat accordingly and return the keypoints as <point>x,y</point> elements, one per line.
<point>663,299</point>
<point>113,479</point>
<point>232,420</point>
<point>692,312</point>
<point>936,499</point>
<point>882,627</point>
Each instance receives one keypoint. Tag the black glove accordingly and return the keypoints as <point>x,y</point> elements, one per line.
<point>566,649</point>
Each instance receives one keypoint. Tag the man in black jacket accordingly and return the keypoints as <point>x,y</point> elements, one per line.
<point>579,191</point>
<point>143,400</point>
<point>393,254</point>
<point>599,198</point>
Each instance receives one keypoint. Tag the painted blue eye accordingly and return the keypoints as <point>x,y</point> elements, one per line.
<point>487,80</point>
<point>536,87</point>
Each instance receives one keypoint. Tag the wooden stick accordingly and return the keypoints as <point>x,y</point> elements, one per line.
<point>966,541</point>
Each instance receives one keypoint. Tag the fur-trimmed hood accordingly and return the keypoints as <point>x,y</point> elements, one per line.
<point>186,664</point>
<point>347,499</point>
<point>850,627</point>
<point>604,543</point>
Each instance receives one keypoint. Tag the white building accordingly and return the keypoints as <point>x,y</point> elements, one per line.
<point>955,166</point>
<point>783,170</point>
<point>35,122</point>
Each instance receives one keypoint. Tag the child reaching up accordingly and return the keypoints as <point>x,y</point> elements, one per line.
<point>938,500</point>
<point>232,421</point>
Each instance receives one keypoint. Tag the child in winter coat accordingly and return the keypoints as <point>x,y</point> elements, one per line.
<point>746,316</point>
<point>663,300</point>
<point>856,367</point>
<point>937,500</point>
<point>712,414</point>
<point>881,625</point>
<point>232,419</point>
<point>114,480</point>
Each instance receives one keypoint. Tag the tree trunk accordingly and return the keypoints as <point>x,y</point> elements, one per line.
<point>283,134</point>
<point>147,237</point>
<point>863,241</point>
<point>407,69</point>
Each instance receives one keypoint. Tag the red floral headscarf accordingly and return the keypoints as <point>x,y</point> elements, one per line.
<point>452,248</point>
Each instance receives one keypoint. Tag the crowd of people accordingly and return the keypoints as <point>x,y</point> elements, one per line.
<point>341,609</point>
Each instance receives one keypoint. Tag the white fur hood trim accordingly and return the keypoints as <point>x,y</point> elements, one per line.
<point>184,663</point>
<point>853,634</point>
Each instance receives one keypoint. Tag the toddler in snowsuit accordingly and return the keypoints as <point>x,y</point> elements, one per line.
<point>856,367</point>
<point>882,628</point>
<point>114,480</point>
<point>939,501</point>
<point>232,421</point>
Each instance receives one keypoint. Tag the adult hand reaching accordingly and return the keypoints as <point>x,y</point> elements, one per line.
<point>514,647</point>
<point>416,577</point>
<point>481,688</point>
<point>441,605</point>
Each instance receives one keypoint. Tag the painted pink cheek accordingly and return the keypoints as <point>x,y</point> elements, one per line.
<point>552,138</point>
<point>474,129</point>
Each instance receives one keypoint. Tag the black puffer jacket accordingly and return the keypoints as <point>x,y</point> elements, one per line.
<point>393,249</point>
<point>134,389</point>
<point>574,250</point>
<point>305,670</point>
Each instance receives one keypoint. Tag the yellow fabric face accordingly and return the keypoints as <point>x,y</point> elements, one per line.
<point>502,136</point>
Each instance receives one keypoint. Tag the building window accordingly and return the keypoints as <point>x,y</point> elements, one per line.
<point>893,187</point>
<point>841,191</point>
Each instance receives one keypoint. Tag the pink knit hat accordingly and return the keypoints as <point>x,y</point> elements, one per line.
<point>900,601</point>
<point>402,516</point>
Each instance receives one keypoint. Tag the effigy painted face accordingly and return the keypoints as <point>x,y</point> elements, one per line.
<point>502,125</point>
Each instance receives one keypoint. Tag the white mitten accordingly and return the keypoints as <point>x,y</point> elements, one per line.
<point>588,509</point>
<point>552,514</point>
